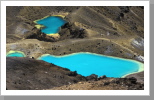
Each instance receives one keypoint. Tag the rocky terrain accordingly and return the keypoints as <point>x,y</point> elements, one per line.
<point>113,31</point>
<point>29,74</point>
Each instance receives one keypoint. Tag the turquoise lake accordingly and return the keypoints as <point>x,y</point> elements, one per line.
<point>15,54</point>
<point>89,63</point>
<point>52,24</point>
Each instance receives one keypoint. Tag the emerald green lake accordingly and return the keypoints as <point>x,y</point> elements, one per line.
<point>15,54</point>
<point>52,24</point>
<point>89,63</point>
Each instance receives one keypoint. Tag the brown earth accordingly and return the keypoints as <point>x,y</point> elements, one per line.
<point>112,31</point>
<point>103,84</point>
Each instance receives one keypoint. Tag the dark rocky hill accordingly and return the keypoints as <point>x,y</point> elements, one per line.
<point>30,74</point>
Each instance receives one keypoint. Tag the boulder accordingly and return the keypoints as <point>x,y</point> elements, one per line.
<point>102,77</point>
<point>133,80</point>
<point>92,77</point>
<point>74,73</point>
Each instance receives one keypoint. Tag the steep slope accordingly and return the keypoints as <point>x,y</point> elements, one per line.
<point>30,74</point>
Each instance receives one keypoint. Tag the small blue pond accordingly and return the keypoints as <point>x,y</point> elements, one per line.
<point>52,24</point>
<point>15,54</point>
<point>89,63</point>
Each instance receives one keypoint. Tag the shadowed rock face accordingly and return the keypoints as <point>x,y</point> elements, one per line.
<point>30,74</point>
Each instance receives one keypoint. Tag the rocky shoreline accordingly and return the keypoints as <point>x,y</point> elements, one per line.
<point>30,74</point>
